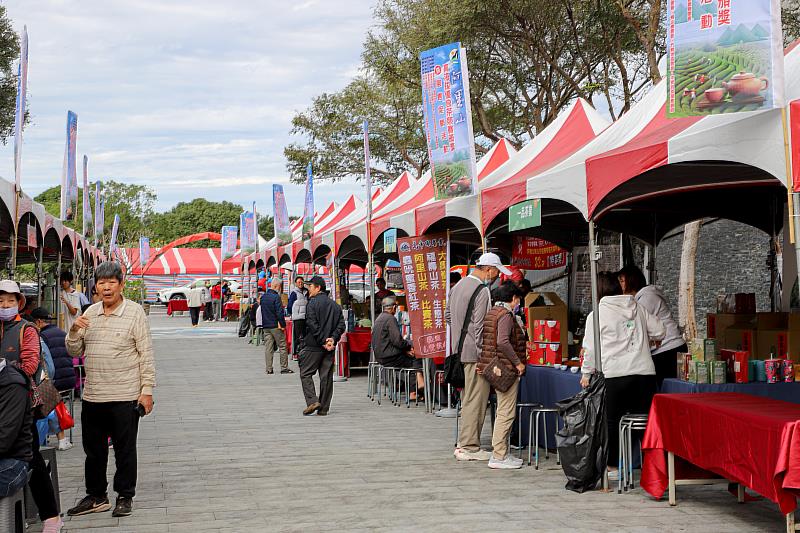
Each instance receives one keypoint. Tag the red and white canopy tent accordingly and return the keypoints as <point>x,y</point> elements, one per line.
<point>191,261</point>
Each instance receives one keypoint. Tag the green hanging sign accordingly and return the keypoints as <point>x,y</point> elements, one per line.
<point>524,215</point>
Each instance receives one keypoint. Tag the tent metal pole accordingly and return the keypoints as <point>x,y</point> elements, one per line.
<point>795,225</point>
<point>39,261</point>
<point>594,257</point>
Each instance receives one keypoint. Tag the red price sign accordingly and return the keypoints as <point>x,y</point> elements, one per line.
<point>532,253</point>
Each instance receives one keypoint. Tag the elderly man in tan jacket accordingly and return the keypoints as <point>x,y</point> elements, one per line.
<point>114,337</point>
<point>475,395</point>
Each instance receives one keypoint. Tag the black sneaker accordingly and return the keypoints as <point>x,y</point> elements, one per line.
<point>287,371</point>
<point>90,504</point>
<point>124,507</point>
<point>270,372</point>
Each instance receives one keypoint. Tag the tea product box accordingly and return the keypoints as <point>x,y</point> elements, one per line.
<point>788,370</point>
<point>552,354</point>
<point>683,362</point>
<point>741,367</point>
<point>548,331</point>
<point>717,372</point>
<point>710,350</point>
<point>773,369</point>
<point>698,372</point>
<point>728,356</point>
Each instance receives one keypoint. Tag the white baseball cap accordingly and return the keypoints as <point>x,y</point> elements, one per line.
<point>492,260</point>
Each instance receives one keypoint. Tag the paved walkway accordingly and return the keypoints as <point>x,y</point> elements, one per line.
<point>228,450</point>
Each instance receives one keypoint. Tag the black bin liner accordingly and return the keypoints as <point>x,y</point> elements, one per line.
<point>583,440</point>
<point>244,325</point>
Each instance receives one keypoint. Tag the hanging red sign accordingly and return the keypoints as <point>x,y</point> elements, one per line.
<point>533,253</point>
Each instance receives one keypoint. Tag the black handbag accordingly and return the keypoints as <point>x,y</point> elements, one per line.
<point>453,367</point>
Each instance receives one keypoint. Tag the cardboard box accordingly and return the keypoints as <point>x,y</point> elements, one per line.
<point>741,367</point>
<point>740,338</point>
<point>698,372</point>
<point>553,354</point>
<point>718,323</point>
<point>728,357</point>
<point>549,307</point>
<point>546,331</point>
<point>710,350</point>
<point>717,372</point>
<point>778,336</point>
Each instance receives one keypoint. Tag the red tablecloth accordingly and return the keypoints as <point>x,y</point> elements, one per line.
<point>177,305</point>
<point>231,306</point>
<point>747,439</point>
<point>358,341</point>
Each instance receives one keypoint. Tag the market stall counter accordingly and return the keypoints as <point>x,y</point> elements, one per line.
<point>546,385</point>
<point>787,392</point>
<point>177,305</point>
<point>231,311</point>
<point>355,348</point>
<point>746,439</point>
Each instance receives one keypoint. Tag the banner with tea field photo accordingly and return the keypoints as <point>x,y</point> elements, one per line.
<point>724,56</point>
<point>283,231</point>
<point>447,118</point>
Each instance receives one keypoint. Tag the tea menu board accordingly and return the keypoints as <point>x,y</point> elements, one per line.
<point>724,56</point>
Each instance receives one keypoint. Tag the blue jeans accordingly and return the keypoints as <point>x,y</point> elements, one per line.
<point>13,476</point>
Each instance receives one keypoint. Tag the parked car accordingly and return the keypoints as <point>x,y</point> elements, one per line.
<point>182,293</point>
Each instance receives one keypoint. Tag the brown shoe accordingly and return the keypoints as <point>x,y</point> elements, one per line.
<point>311,408</point>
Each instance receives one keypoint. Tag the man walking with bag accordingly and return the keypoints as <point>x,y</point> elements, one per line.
<point>273,321</point>
<point>465,312</point>
<point>324,328</point>
<point>298,300</point>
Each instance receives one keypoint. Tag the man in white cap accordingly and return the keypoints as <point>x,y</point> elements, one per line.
<point>476,389</point>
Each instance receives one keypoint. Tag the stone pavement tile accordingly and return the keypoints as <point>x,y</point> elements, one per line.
<point>227,449</point>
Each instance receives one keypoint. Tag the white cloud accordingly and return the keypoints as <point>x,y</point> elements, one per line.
<point>191,97</point>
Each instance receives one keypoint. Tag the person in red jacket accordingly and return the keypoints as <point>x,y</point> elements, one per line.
<point>216,299</point>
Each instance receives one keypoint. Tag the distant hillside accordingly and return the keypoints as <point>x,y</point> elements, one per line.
<point>742,34</point>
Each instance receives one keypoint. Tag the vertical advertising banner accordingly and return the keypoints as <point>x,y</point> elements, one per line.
<point>423,262</point>
<point>69,173</point>
<point>112,245</point>
<point>447,118</point>
<point>87,210</point>
<point>724,56</point>
<point>247,229</point>
<point>283,233</point>
<point>144,250</point>
<point>32,241</point>
<point>308,209</point>
<point>99,221</point>
<point>229,237</point>
<point>19,110</point>
<point>390,241</point>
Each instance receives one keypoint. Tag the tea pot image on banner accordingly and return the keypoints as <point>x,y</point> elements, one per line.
<point>746,84</point>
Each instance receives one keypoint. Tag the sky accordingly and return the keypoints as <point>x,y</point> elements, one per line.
<point>193,98</point>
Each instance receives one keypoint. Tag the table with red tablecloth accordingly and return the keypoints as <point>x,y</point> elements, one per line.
<point>231,310</point>
<point>357,341</point>
<point>750,440</point>
<point>177,305</point>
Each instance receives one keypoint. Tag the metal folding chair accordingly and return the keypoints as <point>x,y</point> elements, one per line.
<point>627,425</point>
<point>533,433</point>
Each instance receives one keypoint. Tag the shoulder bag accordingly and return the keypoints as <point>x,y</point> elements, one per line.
<point>453,367</point>
<point>44,395</point>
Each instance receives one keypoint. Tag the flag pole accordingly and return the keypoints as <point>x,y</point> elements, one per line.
<point>370,255</point>
<point>19,119</point>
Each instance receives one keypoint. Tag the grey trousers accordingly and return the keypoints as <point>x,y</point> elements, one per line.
<point>311,362</point>
<point>275,338</point>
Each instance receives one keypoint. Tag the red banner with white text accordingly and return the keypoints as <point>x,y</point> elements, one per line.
<point>533,253</point>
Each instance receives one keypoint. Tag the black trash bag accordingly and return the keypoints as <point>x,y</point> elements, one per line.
<point>583,441</point>
<point>244,325</point>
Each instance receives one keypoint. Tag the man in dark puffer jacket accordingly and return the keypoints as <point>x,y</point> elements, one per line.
<point>53,337</point>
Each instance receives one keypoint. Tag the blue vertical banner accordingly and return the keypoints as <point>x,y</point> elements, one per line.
<point>724,56</point>
<point>283,232</point>
<point>247,229</point>
<point>308,208</point>
<point>19,110</point>
<point>447,118</point>
<point>98,214</point>
<point>87,208</point>
<point>69,173</point>
<point>144,251</point>
<point>112,245</point>
<point>228,244</point>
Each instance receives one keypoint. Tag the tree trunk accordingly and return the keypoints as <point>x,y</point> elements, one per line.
<point>686,313</point>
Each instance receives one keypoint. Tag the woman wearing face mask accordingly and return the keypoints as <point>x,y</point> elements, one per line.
<point>23,351</point>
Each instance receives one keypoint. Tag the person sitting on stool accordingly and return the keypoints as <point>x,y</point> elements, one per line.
<point>389,346</point>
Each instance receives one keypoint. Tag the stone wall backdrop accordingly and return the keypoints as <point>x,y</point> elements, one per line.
<point>731,257</point>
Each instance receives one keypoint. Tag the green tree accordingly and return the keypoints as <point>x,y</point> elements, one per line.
<point>197,216</point>
<point>133,203</point>
<point>9,55</point>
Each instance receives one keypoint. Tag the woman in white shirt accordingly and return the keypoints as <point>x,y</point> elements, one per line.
<point>651,298</point>
<point>626,331</point>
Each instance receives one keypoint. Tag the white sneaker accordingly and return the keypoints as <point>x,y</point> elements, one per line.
<point>64,445</point>
<point>517,460</point>
<point>506,464</point>
<point>464,455</point>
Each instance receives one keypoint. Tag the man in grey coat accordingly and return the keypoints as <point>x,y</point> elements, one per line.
<point>298,300</point>
<point>475,395</point>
